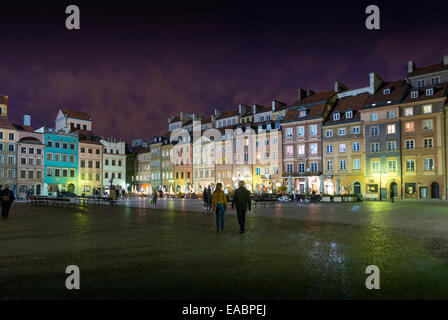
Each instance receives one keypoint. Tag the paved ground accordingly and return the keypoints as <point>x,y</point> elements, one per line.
<point>311,251</point>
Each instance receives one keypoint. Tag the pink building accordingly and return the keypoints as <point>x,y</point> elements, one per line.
<point>30,160</point>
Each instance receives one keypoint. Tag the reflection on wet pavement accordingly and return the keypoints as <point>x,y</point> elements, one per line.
<point>312,251</point>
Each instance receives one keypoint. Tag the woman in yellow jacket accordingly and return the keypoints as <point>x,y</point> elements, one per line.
<point>219,201</point>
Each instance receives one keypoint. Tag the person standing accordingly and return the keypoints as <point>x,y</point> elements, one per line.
<point>242,202</point>
<point>219,203</point>
<point>209,198</point>
<point>392,195</point>
<point>7,197</point>
<point>154,198</point>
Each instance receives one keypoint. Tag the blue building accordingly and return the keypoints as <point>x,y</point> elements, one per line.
<point>60,162</point>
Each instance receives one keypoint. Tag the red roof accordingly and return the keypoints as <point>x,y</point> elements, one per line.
<point>23,128</point>
<point>397,90</point>
<point>428,69</point>
<point>5,124</point>
<point>76,114</point>
<point>440,90</point>
<point>349,103</point>
<point>315,97</point>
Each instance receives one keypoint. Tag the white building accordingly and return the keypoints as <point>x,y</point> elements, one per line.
<point>114,163</point>
<point>68,120</point>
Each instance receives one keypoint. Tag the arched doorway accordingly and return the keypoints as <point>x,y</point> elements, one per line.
<point>434,190</point>
<point>394,188</point>
<point>357,188</point>
<point>71,188</point>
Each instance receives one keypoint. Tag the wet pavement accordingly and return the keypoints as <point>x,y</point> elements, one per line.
<point>293,251</point>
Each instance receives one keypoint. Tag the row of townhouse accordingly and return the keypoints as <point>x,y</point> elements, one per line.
<point>389,136</point>
<point>66,158</point>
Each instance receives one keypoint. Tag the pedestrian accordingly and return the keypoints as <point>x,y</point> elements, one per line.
<point>117,193</point>
<point>7,197</point>
<point>219,201</point>
<point>242,202</point>
<point>154,198</point>
<point>209,198</point>
<point>392,195</point>
<point>1,188</point>
<point>123,193</point>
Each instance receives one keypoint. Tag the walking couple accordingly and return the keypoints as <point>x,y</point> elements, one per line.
<point>241,201</point>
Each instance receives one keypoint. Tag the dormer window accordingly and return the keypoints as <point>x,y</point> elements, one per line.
<point>349,114</point>
<point>302,113</point>
<point>414,94</point>
<point>429,92</point>
<point>421,83</point>
<point>435,80</point>
<point>386,91</point>
<point>336,116</point>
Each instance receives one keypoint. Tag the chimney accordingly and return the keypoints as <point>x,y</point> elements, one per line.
<point>309,93</point>
<point>411,66</point>
<point>301,94</point>
<point>27,120</point>
<point>375,82</point>
<point>445,60</point>
<point>254,109</point>
<point>273,105</point>
<point>339,86</point>
<point>243,108</point>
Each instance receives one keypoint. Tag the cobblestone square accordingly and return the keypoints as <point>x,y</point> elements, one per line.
<point>294,251</point>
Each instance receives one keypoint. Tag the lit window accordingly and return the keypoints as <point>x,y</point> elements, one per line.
<point>409,111</point>
<point>410,165</point>
<point>356,164</point>
<point>375,166</point>
<point>429,164</point>
<point>427,108</point>
<point>390,129</point>
<point>300,131</point>
<point>313,130</point>
<point>301,149</point>
<point>427,124</point>
<point>374,117</point>
<point>313,148</point>
<point>342,147</point>
<point>409,126</point>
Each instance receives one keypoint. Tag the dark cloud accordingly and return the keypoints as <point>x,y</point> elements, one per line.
<point>133,68</point>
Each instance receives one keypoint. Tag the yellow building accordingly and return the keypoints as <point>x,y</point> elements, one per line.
<point>90,167</point>
<point>423,142</point>
<point>343,147</point>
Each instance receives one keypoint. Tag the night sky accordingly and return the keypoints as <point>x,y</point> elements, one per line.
<point>133,64</point>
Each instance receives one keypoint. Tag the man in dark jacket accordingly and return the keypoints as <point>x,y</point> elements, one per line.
<point>7,197</point>
<point>242,201</point>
